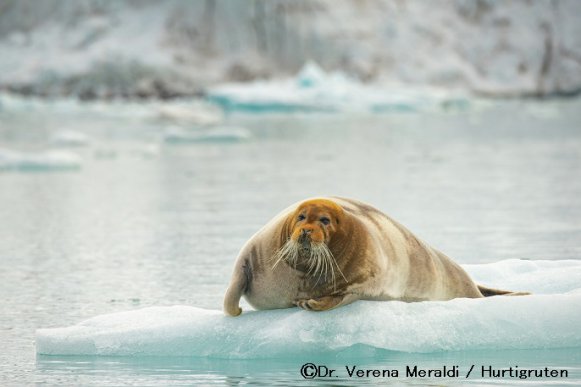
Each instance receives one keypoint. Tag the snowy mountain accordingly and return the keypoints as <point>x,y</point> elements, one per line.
<point>102,49</point>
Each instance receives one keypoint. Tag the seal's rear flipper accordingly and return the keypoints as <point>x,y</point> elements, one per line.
<point>238,285</point>
<point>489,292</point>
<point>231,301</point>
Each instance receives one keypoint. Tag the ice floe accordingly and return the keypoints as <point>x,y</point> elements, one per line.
<point>313,89</point>
<point>219,134</point>
<point>547,319</point>
<point>48,160</point>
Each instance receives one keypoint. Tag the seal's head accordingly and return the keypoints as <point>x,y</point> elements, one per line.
<point>309,231</point>
<point>315,221</point>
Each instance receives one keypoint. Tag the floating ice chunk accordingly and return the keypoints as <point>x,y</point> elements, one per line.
<point>69,138</point>
<point>196,114</point>
<point>176,135</point>
<point>259,97</point>
<point>42,161</point>
<point>314,90</point>
<point>537,321</point>
<point>224,134</point>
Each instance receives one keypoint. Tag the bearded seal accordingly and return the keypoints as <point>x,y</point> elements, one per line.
<point>326,252</point>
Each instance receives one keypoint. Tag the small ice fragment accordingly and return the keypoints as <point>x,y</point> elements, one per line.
<point>69,138</point>
<point>196,114</point>
<point>220,134</point>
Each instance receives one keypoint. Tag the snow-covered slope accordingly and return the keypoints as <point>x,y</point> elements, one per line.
<point>124,48</point>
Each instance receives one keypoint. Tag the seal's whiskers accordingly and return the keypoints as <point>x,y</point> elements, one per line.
<point>321,262</point>
<point>289,252</point>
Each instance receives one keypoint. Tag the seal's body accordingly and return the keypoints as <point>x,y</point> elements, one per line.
<point>323,253</point>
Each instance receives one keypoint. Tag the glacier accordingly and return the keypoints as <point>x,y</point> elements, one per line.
<point>95,50</point>
<point>547,319</point>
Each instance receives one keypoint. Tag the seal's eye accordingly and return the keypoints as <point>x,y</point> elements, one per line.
<point>301,217</point>
<point>325,221</point>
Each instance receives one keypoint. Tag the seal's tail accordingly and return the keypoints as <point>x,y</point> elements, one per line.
<point>489,292</point>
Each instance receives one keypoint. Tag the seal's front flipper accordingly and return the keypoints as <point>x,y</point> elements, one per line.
<point>325,303</point>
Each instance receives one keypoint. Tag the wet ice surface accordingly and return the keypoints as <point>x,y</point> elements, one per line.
<point>146,223</point>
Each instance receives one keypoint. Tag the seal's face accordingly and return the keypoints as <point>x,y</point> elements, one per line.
<point>315,221</point>
<point>311,228</point>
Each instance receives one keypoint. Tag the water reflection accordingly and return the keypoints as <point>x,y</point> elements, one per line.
<point>180,371</point>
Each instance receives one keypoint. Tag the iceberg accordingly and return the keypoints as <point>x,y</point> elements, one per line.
<point>314,90</point>
<point>547,319</point>
<point>50,160</point>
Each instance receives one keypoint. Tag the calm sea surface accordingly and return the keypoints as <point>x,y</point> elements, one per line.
<point>144,222</point>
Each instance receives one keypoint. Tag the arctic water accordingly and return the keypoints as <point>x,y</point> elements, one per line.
<point>104,209</point>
